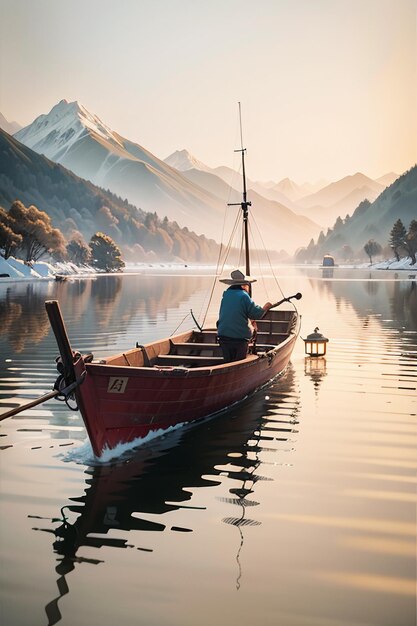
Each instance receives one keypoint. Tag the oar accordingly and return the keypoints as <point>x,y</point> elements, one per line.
<point>29,405</point>
<point>58,327</point>
<point>66,391</point>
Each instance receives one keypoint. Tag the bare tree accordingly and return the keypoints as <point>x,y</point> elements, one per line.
<point>372,248</point>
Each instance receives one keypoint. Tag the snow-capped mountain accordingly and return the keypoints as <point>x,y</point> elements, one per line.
<point>55,134</point>
<point>72,136</point>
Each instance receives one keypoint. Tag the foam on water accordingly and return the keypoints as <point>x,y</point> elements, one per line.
<point>84,453</point>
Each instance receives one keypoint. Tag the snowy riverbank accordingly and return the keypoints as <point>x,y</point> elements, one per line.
<point>391,264</point>
<point>15,270</point>
<point>12,270</point>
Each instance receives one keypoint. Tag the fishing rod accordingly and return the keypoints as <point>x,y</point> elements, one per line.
<point>297,296</point>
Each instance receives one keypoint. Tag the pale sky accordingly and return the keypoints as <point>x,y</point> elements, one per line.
<point>328,87</point>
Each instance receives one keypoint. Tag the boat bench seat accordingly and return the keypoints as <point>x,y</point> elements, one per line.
<point>264,336</point>
<point>207,350</point>
<point>274,326</point>
<point>188,360</point>
<point>200,349</point>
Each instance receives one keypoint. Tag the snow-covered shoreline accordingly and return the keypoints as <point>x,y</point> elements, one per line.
<point>15,270</point>
<point>390,264</point>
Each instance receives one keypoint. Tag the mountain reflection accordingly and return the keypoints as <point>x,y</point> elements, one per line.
<point>20,323</point>
<point>159,478</point>
<point>403,304</point>
<point>393,299</point>
<point>89,303</point>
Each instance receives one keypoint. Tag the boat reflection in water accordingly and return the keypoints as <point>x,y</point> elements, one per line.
<point>158,478</point>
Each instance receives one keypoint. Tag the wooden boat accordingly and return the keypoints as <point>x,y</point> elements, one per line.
<point>164,384</point>
<point>168,383</point>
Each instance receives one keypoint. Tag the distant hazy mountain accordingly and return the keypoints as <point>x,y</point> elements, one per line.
<point>77,204</point>
<point>310,188</point>
<point>321,202</point>
<point>335,192</point>
<point>387,179</point>
<point>183,161</point>
<point>280,227</point>
<point>74,137</point>
<point>339,198</point>
<point>9,127</point>
<point>272,193</point>
<point>290,189</point>
<point>375,220</point>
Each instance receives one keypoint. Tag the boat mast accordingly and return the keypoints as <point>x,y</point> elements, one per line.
<point>244,204</point>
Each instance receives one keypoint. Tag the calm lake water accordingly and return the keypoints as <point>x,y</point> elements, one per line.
<point>297,508</point>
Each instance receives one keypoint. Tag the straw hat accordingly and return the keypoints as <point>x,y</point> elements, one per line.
<point>237,278</point>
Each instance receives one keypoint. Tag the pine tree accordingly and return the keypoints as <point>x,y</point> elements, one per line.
<point>397,238</point>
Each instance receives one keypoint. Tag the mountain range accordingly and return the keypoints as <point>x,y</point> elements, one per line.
<point>79,140</point>
<point>185,189</point>
<point>75,204</point>
<point>322,202</point>
<point>337,199</point>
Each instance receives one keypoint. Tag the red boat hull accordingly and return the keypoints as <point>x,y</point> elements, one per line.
<point>122,403</point>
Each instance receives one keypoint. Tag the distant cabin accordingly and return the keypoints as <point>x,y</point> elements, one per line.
<point>328,261</point>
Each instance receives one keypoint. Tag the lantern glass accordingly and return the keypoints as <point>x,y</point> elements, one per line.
<point>315,348</point>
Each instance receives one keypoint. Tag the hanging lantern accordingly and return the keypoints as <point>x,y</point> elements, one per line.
<point>315,344</point>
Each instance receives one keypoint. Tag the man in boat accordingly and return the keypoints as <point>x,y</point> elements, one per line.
<point>237,310</point>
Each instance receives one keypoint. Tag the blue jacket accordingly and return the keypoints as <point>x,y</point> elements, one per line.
<point>236,309</point>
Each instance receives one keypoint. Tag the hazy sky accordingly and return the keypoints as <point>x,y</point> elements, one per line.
<point>328,87</point>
